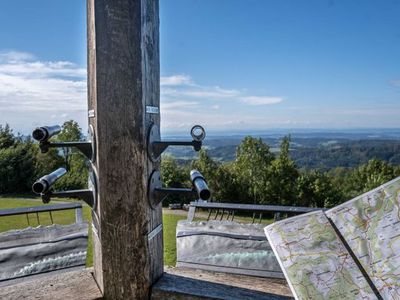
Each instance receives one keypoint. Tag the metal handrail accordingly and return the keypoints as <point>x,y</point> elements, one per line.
<point>230,208</point>
<point>44,208</point>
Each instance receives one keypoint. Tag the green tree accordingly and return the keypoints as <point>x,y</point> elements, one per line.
<point>316,189</point>
<point>7,138</point>
<point>74,161</point>
<point>71,132</point>
<point>172,175</point>
<point>17,168</point>
<point>226,185</point>
<point>369,176</point>
<point>281,184</point>
<point>251,167</point>
<point>206,165</point>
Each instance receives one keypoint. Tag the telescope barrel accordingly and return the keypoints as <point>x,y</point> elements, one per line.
<point>44,183</point>
<point>200,185</point>
<point>44,133</point>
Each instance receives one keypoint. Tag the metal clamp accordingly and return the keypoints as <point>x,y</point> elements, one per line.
<point>157,193</point>
<point>42,187</point>
<point>43,134</point>
<point>156,147</point>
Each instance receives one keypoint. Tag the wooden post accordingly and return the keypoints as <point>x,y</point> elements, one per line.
<point>123,79</point>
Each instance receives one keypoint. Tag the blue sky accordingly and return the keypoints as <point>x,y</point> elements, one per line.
<point>226,64</point>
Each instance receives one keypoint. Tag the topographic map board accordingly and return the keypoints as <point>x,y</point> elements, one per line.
<point>351,251</point>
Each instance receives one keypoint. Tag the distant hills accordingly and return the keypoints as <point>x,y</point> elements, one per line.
<point>311,149</point>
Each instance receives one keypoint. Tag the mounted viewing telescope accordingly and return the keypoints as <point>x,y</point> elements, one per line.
<point>156,147</point>
<point>44,133</point>
<point>157,193</point>
<point>200,185</point>
<point>43,184</point>
<point>42,187</point>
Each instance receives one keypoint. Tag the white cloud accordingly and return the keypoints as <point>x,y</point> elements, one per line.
<point>178,105</point>
<point>253,100</point>
<point>50,91</point>
<point>15,56</point>
<point>175,80</point>
<point>197,91</point>
<point>35,92</point>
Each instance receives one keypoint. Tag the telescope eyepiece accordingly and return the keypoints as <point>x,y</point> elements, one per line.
<point>200,185</point>
<point>42,134</point>
<point>198,133</point>
<point>205,194</point>
<point>39,187</point>
<point>43,184</point>
<point>39,134</point>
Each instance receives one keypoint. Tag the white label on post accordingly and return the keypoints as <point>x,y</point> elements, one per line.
<point>91,113</point>
<point>152,109</point>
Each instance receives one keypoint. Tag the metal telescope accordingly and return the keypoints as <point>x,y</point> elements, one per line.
<point>43,184</point>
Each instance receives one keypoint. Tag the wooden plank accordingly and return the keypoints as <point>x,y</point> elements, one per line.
<point>182,283</point>
<point>176,283</point>
<point>79,285</point>
<point>123,78</point>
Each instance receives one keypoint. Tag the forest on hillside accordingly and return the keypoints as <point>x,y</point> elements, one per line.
<point>258,173</point>
<point>322,153</point>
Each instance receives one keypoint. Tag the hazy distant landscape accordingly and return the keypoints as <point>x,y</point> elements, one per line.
<point>310,149</point>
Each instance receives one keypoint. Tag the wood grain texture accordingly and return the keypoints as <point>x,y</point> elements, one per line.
<point>123,77</point>
<point>183,283</point>
<point>176,283</point>
<point>79,285</point>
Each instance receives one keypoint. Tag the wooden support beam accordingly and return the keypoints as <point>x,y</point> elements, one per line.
<point>123,80</point>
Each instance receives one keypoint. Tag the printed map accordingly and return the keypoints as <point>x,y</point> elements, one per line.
<point>371,226</point>
<point>314,260</point>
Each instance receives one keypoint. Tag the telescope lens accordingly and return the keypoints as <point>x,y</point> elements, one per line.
<point>205,194</point>
<point>39,134</point>
<point>38,187</point>
<point>198,133</point>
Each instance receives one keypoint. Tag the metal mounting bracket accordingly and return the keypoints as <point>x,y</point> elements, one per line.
<point>156,193</point>
<point>155,147</point>
<point>89,196</point>
<point>87,148</point>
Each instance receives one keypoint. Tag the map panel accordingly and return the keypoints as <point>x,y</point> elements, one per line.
<point>314,260</point>
<point>370,225</point>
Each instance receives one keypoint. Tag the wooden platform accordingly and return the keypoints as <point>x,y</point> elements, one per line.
<point>183,283</point>
<point>60,286</point>
<point>176,283</point>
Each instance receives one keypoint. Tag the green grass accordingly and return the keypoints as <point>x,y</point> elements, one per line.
<point>169,225</point>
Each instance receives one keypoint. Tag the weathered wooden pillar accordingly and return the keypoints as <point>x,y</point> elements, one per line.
<point>123,83</point>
